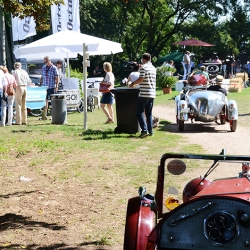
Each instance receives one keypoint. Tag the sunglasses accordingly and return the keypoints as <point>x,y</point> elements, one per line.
<point>45,61</point>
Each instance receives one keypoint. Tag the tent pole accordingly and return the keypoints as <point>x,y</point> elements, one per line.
<point>68,65</point>
<point>85,85</point>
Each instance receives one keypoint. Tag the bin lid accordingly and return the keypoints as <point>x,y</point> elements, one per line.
<point>124,90</point>
<point>58,96</point>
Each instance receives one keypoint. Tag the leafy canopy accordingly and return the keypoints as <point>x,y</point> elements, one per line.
<point>39,9</point>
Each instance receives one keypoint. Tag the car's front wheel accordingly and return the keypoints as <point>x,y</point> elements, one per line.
<point>180,125</point>
<point>233,125</point>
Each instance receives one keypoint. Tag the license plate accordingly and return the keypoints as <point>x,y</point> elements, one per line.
<point>185,110</point>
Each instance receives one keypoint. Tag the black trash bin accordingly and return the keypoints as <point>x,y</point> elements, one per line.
<point>59,109</point>
<point>126,102</point>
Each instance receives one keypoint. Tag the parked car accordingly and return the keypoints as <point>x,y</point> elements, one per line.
<point>209,214</point>
<point>197,103</point>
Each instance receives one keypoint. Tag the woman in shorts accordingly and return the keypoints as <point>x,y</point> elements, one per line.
<point>107,98</point>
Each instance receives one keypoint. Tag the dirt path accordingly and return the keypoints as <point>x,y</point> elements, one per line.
<point>211,136</point>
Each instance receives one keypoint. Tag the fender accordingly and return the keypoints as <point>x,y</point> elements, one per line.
<point>177,99</point>
<point>139,224</point>
<point>232,110</point>
<point>182,110</point>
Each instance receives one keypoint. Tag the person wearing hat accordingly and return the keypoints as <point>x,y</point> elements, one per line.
<point>219,81</point>
<point>22,80</point>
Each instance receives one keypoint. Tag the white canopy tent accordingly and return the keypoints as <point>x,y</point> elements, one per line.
<point>67,44</point>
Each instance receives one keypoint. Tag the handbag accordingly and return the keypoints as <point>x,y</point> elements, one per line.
<point>10,88</point>
<point>104,88</point>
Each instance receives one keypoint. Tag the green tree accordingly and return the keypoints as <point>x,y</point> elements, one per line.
<point>39,9</point>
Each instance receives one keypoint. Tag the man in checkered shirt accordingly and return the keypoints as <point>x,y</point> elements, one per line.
<point>50,80</point>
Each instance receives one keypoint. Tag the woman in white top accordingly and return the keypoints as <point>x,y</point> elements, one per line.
<point>134,75</point>
<point>107,98</point>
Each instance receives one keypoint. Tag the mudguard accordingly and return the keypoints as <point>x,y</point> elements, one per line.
<point>139,224</point>
<point>182,110</point>
<point>232,110</point>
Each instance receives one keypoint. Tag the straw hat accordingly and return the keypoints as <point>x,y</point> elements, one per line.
<point>219,79</point>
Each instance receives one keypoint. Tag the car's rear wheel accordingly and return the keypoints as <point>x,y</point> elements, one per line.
<point>233,125</point>
<point>180,125</point>
<point>35,112</point>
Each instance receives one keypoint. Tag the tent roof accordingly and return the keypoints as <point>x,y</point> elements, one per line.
<point>175,56</point>
<point>66,44</point>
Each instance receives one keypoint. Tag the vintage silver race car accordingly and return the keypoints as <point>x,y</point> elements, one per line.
<point>200,104</point>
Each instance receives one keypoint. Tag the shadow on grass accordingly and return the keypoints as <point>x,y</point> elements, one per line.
<point>107,134</point>
<point>17,194</point>
<point>61,246</point>
<point>248,114</point>
<point>193,128</point>
<point>14,221</point>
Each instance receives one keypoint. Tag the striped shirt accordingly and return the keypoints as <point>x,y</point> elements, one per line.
<point>148,85</point>
<point>49,73</point>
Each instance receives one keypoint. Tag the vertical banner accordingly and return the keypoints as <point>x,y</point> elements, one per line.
<point>23,28</point>
<point>65,16</point>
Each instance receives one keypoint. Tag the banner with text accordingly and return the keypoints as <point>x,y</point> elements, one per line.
<point>23,28</point>
<point>65,16</point>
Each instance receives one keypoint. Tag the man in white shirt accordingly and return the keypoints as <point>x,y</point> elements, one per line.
<point>187,61</point>
<point>145,102</point>
<point>22,80</point>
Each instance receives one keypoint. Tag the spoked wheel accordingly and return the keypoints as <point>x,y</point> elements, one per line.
<point>35,112</point>
<point>233,125</point>
<point>80,107</point>
<point>180,125</point>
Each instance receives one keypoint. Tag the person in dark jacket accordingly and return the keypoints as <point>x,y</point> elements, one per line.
<point>219,81</point>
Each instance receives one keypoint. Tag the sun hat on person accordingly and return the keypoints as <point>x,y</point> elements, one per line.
<point>219,79</point>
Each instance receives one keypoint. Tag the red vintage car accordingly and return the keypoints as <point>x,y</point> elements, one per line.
<point>212,214</point>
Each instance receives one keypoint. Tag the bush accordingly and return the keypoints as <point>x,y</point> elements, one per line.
<point>164,78</point>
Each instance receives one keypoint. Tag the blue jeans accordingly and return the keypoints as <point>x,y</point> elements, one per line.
<point>144,107</point>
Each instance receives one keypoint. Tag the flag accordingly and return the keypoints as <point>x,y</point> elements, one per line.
<point>65,16</point>
<point>23,28</point>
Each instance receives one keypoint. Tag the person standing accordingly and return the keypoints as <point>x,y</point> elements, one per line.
<point>97,72</point>
<point>217,60</point>
<point>50,80</point>
<point>10,97</point>
<point>107,98</point>
<point>3,83</point>
<point>145,103</point>
<point>22,80</point>
<point>187,61</point>
<point>60,74</point>
<point>134,75</point>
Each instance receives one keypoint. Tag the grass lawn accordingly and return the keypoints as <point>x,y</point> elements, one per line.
<point>80,180</point>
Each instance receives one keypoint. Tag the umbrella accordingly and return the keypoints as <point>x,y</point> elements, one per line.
<point>65,44</point>
<point>193,42</point>
<point>175,56</point>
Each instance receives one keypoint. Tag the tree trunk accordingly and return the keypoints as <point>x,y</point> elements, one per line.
<point>2,38</point>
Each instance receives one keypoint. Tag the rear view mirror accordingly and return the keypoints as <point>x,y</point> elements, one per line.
<point>176,167</point>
